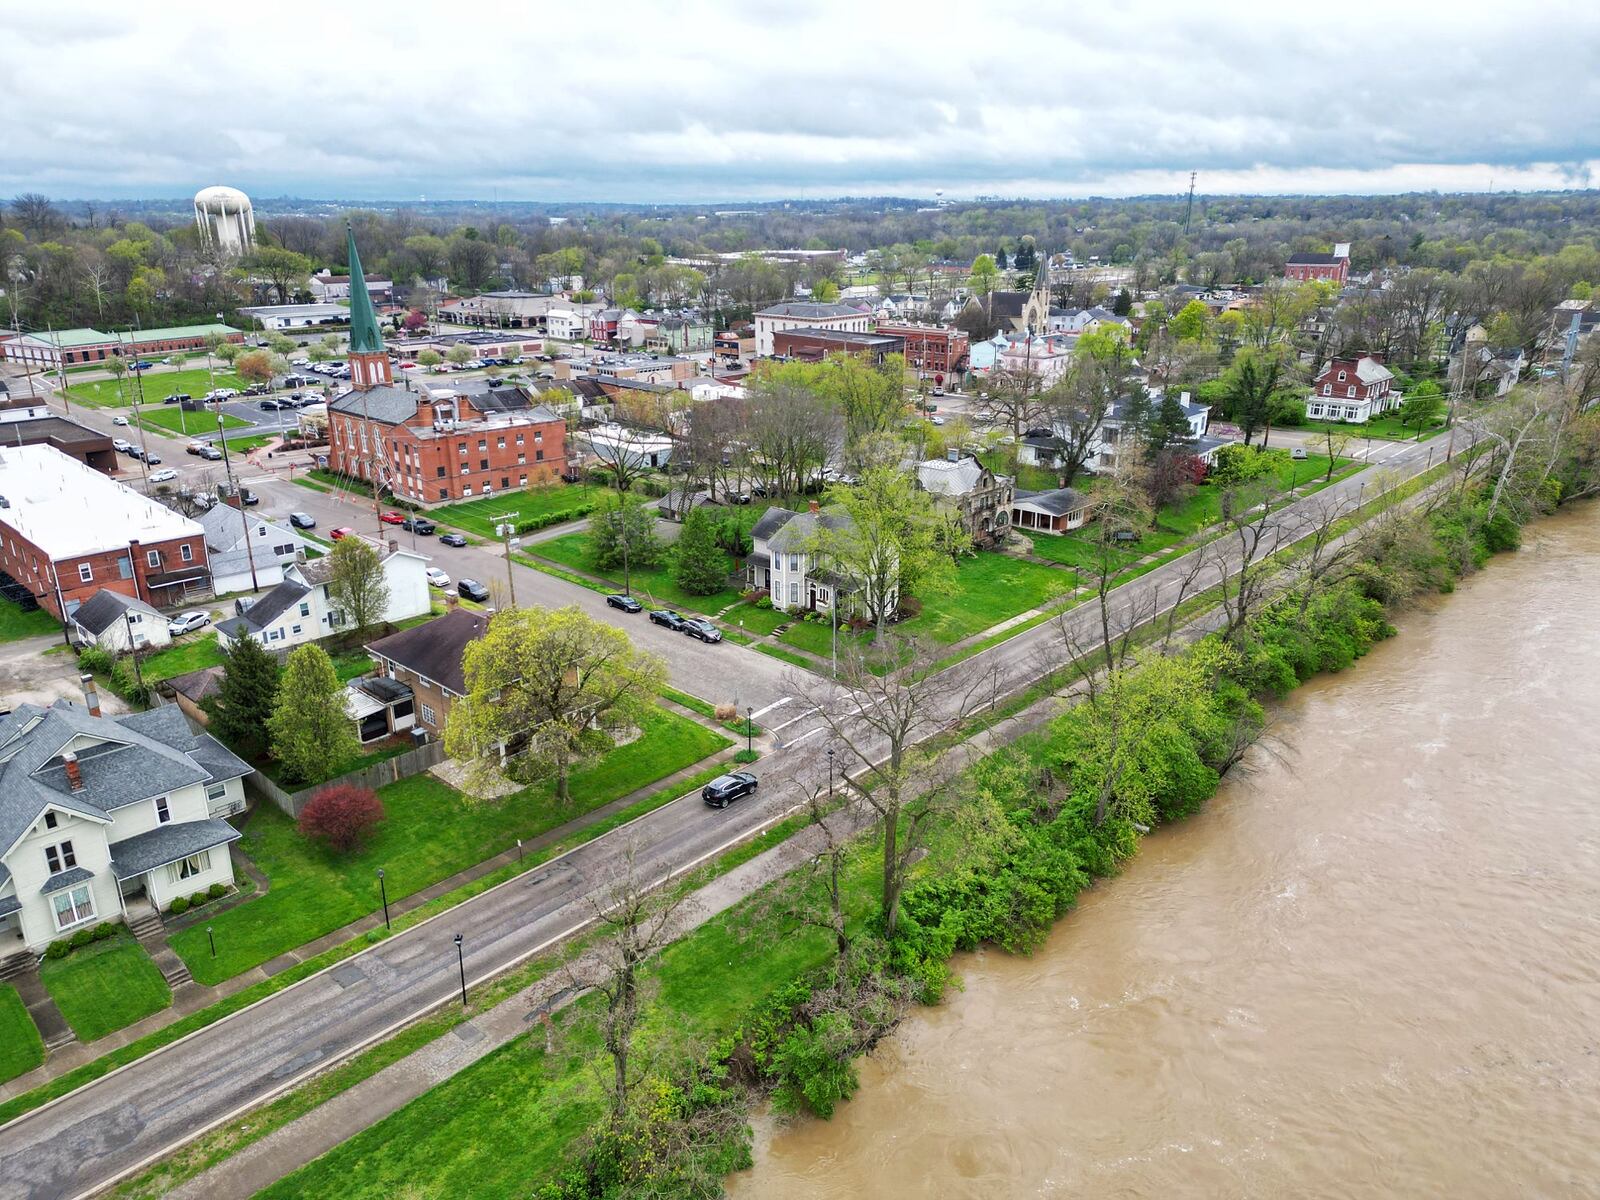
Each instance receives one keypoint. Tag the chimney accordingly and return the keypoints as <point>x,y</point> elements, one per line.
<point>69,760</point>
<point>1183,398</point>
<point>91,697</point>
<point>815,507</point>
<point>424,409</point>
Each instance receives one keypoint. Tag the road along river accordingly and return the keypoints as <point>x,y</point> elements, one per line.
<point>1369,968</point>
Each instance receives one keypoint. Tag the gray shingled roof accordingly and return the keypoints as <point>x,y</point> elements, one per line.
<point>1056,503</point>
<point>105,608</point>
<point>62,880</point>
<point>389,404</point>
<point>274,604</point>
<point>435,649</point>
<point>810,311</point>
<point>798,534</point>
<point>770,522</point>
<point>941,477</point>
<point>167,844</point>
<point>10,905</point>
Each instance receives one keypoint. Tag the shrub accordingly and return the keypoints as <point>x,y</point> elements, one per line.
<point>909,607</point>
<point>196,900</point>
<point>814,1066</point>
<point>217,890</point>
<point>342,816</point>
<point>94,660</point>
<point>764,601</point>
<point>104,930</point>
<point>81,937</point>
<point>57,949</point>
<point>179,906</point>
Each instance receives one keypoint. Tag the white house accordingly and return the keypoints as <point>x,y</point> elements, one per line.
<point>102,815</point>
<point>807,315</point>
<point>233,541</point>
<point>783,560</point>
<point>300,609</point>
<point>565,325</point>
<point>277,317</point>
<point>118,623</point>
<point>1040,447</point>
<point>1045,359</point>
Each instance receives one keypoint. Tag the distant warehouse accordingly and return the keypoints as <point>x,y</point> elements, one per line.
<point>71,347</point>
<point>275,317</point>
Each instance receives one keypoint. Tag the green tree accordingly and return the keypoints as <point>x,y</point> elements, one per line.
<point>460,354</point>
<point>312,734</point>
<point>1255,377</point>
<point>1423,407</point>
<point>698,563</point>
<point>357,585</point>
<point>624,529</point>
<point>284,269</point>
<point>984,275</point>
<point>429,358</point>
<point>825,292</point>
<point>245,701</point>
<point>884,535</point>
<point>254,366</point>
<point>544,689</point>
<point>1192,323</point>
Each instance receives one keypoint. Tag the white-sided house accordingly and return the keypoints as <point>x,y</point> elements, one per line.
<point>783,561</point>
<point>232,542</point>
<point>98,814</point>
<point>300,610</point>
<point>118,623</point>
<point>565,325</point>
<point>1041,447</point>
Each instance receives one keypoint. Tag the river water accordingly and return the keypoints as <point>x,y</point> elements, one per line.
<point>1370,968</point>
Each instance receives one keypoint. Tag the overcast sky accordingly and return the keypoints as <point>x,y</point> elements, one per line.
<point>674,101</point>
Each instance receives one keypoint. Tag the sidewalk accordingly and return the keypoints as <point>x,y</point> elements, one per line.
<point>192,997</point>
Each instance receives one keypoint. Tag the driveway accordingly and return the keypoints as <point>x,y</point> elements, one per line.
<point>40,670</point>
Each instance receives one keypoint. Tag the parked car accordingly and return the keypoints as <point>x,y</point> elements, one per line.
<point>696,627</point>
<point>270,405</point>
<point>163,475</point>
<point>302,520</point>
<point>119,444</point>
<point>133,451</point>
<point>119,420</point>
<point>248,498</point>
<point>473,590</point>
<point>418,525</point>
<point>668,618</point>
<point>725,789</point>
<point>452,539</point>
<point>152,459</point>
<point>393,518</point>
<point>437,578</point>
<point>627,604</point>
<point>211,454</point>
<point>143,366</point>
<point>193,448</point>
<point>188,622</point>
<point>342,531</point>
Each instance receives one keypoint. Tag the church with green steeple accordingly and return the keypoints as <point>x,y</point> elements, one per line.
<point>369,361</point>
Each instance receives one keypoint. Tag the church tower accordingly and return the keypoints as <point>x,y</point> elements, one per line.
<point>369,361</point>
<point>1036,310</point>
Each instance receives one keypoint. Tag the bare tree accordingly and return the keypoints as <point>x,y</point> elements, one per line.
<point>1012,402</point>
<point>1251,535</point>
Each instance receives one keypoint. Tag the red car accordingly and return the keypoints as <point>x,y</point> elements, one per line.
<point>393,518</point>
<point>342,531</point>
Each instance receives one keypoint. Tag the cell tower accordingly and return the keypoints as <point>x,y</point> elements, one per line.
<point>1189,207</point>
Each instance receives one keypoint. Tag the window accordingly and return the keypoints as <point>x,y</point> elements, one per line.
<point>519,439</point>
<point>216,791</point>
<point>483,443</point>
<point>85,572</point>
<point>1350,391</point>
<point>153,558</point>
<point>427,714</point>
<point>462,447</point>
<point>538,436</point>
<point>188,868</point>
<point>294,629</point>
<point>794,593</point>
<point>60,858</point>
<point>163,813</point>
<point>500,443</point>
<point>282,550</point>
<point>186,552</point>
<point>522,481</point>
<point>438,473</point>
<point>73,907</point>
<point>538,456</point>
<point>50,821</point>
<point>483,464</point>
<point>1341,376</point>
<point>305,609</point>
<point>1327,389</point>
<point>794,562</point>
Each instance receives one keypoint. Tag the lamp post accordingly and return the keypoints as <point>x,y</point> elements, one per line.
<point>383,890</point>
<point>212,938</point>
<point>749,731</point>
<point>461,961</point>
<point>830,772</point>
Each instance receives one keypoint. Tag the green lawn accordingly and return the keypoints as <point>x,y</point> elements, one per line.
<point>815,636</point>
<point>756,620</point>
<point>529,1107</point>
<point>188,653</point>
<point>21,1049</point>
<point>104,986</point>
<point>431,832</point>
<point>654,585</point>
<point>477,516</point>
<point>172,419</point>
<point>243,445</point>
<point>157,386</point>
<point>1387,427</point>
<point>15,624</point>
<point>990,588</point>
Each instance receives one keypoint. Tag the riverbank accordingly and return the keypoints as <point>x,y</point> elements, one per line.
<point>1365,969</point>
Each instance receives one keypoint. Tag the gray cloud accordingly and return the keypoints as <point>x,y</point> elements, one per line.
<point>694,101</point>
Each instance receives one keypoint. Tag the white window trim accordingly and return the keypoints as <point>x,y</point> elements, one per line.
<point>85,573</point>
<point>70,893</point>
<point>163,810</point>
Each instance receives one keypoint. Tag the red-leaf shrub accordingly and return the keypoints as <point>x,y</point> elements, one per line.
<point>342,816</point>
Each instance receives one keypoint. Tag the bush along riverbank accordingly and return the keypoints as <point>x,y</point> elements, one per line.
<point>648,1088</point>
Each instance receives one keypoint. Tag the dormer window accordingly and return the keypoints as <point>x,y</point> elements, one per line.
<point>50,821</point>
<point>163,812</point>
<point>1341,376</point>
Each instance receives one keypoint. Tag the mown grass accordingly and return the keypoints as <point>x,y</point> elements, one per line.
<point>653,585</point>
<point>16,624</point>
<point>21,1048</point>
<point>105,986</point>
<point>430,832</point>
<point>173,420</point>
<point>989,588</point>
<point>109,393</point>
<point>757,620</point>
<point>477,516</point>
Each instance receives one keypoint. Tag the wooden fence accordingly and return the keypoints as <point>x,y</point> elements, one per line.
<point>390,770</point>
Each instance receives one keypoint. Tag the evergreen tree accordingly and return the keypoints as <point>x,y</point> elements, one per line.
<point>1164,426</point>
<point>312,735</point>
<point>1000,258</point>
<point>1122,302</point>
<point>244,703</point>
<point>606,538</point>
<point>699,565</point>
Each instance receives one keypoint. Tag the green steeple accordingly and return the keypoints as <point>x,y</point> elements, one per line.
<point>364,335</point>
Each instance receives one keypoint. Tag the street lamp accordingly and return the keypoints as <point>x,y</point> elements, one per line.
<point>749,731</point>
<point>212,938</point>
<point>384,891</point>
<point>830,772</point>
<point>461,961</point>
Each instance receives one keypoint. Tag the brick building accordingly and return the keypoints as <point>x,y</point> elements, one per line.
<point>67,531</point>
<point>798,314</point>
<point>931,349</point>
<point>812,345</point>
<point>1333,268</point>
<point>433,444</point>
<point>1354,388</point>
<point>72,347</point>
<point>428,658</point>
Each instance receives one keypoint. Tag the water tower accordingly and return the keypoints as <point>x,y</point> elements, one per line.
<point>225,219</point>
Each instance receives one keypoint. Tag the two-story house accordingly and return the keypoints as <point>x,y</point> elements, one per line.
<point>300,608</point>
<point>1118,430</point>
<point>98,813</point>
<point>237,538</point>
<point>1352,389</point>
<point>786,560</point>
<point>428,660</point>
<point>980,499</point>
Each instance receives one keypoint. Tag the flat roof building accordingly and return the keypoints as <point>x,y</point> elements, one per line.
<point>73,347</point>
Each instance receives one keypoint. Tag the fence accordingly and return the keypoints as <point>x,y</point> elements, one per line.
<point>390,770</point>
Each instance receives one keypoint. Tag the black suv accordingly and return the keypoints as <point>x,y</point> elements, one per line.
<point>696,627</point>
<point>302,520</point>
<point>665,616</point>
<point>627,604</point>
<point>418,525</point>
<point>473,590</point>
<point>725,789</point>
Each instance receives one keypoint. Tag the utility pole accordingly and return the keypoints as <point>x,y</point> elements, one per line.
<point>1188,208</point>
<point>505,525</point>
<point>133,650</point>
<point>238,496</point>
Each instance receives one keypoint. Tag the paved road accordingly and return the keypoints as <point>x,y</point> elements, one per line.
<point>111,1127</point>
